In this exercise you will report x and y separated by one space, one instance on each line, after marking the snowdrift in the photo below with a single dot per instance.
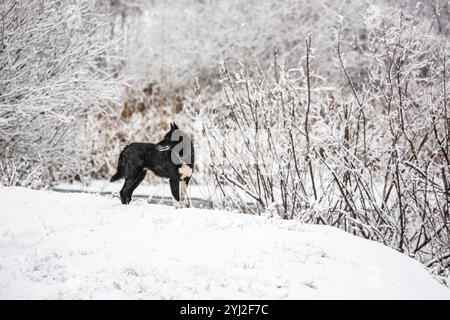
83 246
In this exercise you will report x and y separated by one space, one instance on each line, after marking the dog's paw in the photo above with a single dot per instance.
184 204
176 204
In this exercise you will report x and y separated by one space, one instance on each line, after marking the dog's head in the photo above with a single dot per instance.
169 140
178 143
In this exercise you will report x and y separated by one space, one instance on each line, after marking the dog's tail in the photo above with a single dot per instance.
120 170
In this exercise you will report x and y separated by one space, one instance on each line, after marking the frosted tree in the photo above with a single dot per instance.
57 66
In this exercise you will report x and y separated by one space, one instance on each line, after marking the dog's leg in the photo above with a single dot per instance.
175 188
185 173
183 196
125 196
131 183
184 199
136 183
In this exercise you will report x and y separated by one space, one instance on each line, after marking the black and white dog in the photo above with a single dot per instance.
172 158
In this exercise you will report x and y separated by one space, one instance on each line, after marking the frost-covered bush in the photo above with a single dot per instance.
56 68
369 157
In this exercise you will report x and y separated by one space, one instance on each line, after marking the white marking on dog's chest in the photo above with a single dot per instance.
185 171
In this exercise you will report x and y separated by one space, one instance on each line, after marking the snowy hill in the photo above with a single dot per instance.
82 246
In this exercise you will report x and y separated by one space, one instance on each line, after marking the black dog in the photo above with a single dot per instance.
172 158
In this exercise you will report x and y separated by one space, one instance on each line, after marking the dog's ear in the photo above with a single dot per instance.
174 126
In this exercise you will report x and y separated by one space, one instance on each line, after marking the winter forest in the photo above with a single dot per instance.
331 112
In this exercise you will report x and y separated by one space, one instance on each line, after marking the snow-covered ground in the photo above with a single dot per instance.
84 246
